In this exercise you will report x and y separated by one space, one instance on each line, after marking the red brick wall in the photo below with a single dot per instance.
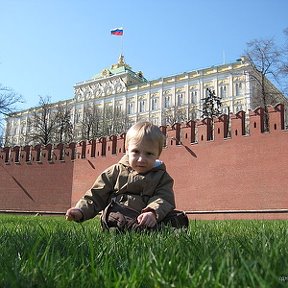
238 172
249 172
43 185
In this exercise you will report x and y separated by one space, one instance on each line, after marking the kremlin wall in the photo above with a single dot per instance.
225 168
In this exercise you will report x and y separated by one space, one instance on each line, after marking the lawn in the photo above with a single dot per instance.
43 251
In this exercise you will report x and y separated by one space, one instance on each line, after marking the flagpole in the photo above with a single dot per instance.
122 42
119 32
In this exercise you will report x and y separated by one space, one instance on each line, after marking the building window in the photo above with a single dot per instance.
193 97
180 99
223 91
78 117
239 107
194 115
239 89
118 109
226 110
142 106
167 101
155 121
130 108
154 104
23 129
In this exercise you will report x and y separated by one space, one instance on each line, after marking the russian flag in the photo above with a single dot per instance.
117 31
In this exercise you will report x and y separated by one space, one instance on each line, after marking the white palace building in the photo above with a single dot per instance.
124 97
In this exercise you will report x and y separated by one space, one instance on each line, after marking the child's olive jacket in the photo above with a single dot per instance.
142 192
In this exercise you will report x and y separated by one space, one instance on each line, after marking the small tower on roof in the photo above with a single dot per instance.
111 80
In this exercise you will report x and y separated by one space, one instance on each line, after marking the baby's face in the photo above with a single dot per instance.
142 156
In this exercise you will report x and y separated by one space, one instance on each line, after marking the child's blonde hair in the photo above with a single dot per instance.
145 131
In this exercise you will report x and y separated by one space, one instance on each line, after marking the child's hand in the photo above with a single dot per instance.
74 214
147 219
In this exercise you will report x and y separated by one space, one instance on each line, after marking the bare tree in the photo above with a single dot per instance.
8 101
64 128
98 122
92 122
283 67
120 122
192 112
174 115
43 122
108 117
2 137
265 57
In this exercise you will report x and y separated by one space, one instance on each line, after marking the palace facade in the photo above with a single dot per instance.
117 97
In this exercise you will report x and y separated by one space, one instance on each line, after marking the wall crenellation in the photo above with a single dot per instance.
197 132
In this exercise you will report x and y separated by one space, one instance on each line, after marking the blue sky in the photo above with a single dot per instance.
50 45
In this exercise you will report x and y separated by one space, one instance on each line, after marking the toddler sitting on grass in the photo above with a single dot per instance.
137 192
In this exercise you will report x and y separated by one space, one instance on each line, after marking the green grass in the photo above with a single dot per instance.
51 252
